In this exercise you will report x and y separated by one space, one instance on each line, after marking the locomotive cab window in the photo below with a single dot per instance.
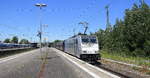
93 41
85 40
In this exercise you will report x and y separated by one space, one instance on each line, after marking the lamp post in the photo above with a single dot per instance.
40 5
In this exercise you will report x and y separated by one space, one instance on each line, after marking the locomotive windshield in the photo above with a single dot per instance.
93 40
85 40
89 40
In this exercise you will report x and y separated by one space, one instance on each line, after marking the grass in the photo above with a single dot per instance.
141 61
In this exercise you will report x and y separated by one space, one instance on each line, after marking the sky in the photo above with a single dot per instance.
21 17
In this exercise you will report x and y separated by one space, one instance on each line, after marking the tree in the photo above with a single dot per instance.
130 36
7 40
57 41
24 41
14 39
137 29
100 35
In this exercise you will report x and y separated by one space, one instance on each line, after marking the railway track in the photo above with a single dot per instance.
121 70
102 66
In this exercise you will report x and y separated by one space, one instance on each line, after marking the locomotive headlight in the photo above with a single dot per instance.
84 51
